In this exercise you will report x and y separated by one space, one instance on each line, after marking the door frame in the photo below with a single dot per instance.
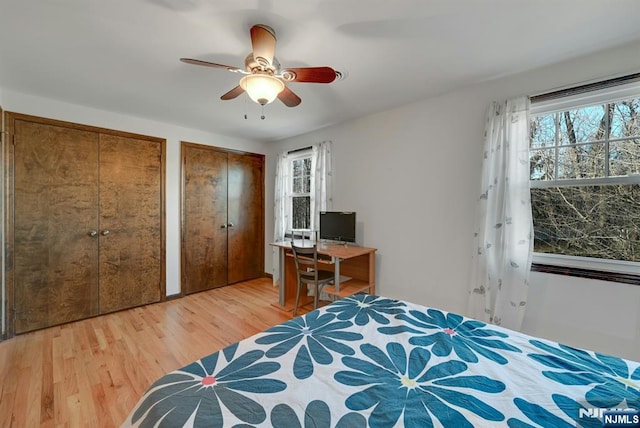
9 223
187 144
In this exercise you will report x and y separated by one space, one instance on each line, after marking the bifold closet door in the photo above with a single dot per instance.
130 222
204 236
245 207
85 221
55 256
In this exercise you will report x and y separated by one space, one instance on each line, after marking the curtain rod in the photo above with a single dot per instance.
589 87
299 150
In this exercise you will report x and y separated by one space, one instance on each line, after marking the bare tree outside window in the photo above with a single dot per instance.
584 171
301 194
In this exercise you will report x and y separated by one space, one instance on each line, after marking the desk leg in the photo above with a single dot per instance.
281 268
336 277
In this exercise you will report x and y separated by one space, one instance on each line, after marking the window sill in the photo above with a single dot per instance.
587 273
589 268
299 234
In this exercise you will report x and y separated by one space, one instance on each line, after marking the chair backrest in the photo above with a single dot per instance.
306 257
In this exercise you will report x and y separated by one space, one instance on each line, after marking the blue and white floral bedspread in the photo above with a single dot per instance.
372 361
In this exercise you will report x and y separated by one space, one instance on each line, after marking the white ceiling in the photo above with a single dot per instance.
122 55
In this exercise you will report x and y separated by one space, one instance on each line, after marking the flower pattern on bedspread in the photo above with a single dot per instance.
445 332
316 415
363 307
318 336
544 418
397 384
204 385
378 362
612 382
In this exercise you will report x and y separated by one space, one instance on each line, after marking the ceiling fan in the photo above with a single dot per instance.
263 79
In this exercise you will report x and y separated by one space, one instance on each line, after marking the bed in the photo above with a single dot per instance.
373 361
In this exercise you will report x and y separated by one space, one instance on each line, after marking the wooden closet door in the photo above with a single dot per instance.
204 235
130 222
55 210
246 213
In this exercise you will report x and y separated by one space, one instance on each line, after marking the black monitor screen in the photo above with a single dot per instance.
338 226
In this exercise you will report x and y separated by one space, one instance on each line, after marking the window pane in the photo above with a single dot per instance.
298 168
542 164
543 131
589 221
297 185
583 125
307 166
301 215
625 121
624 157
581 161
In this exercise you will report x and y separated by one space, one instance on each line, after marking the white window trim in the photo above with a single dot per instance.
302 154
602 96
577 182
608 95
602 265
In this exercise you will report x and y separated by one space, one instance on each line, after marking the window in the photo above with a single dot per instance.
585 182
299 192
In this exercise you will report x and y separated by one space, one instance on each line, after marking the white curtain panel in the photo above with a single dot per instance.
321 191
280 214
503 239
321 181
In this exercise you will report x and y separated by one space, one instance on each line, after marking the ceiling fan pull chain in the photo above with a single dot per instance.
262 113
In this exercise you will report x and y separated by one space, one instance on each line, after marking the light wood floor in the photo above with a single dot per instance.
92 372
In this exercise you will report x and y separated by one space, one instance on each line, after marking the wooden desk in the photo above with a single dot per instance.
354 268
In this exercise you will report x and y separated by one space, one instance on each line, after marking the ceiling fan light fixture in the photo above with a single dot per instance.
262 88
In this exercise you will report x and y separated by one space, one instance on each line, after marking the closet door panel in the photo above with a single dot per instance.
246 213
204 247
55 209
130 222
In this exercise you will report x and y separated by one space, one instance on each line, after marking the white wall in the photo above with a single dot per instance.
413 175
598 315
400 178
27 104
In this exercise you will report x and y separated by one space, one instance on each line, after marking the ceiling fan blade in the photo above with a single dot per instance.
263 41
235 92
289 98
310 74
210 64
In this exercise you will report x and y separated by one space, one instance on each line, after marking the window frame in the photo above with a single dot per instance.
291 158
586 267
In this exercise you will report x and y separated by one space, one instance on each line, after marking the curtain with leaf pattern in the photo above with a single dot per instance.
280 214
503 238
321 181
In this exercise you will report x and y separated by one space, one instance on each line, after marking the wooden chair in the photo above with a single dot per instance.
308 273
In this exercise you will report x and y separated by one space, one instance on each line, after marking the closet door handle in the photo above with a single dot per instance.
92 233
224 226
105 232
231 224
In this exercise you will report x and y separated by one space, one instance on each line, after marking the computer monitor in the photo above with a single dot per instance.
338 226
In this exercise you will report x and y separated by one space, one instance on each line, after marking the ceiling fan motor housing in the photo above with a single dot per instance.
252 64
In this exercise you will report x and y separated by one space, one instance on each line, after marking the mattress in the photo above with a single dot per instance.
373 361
